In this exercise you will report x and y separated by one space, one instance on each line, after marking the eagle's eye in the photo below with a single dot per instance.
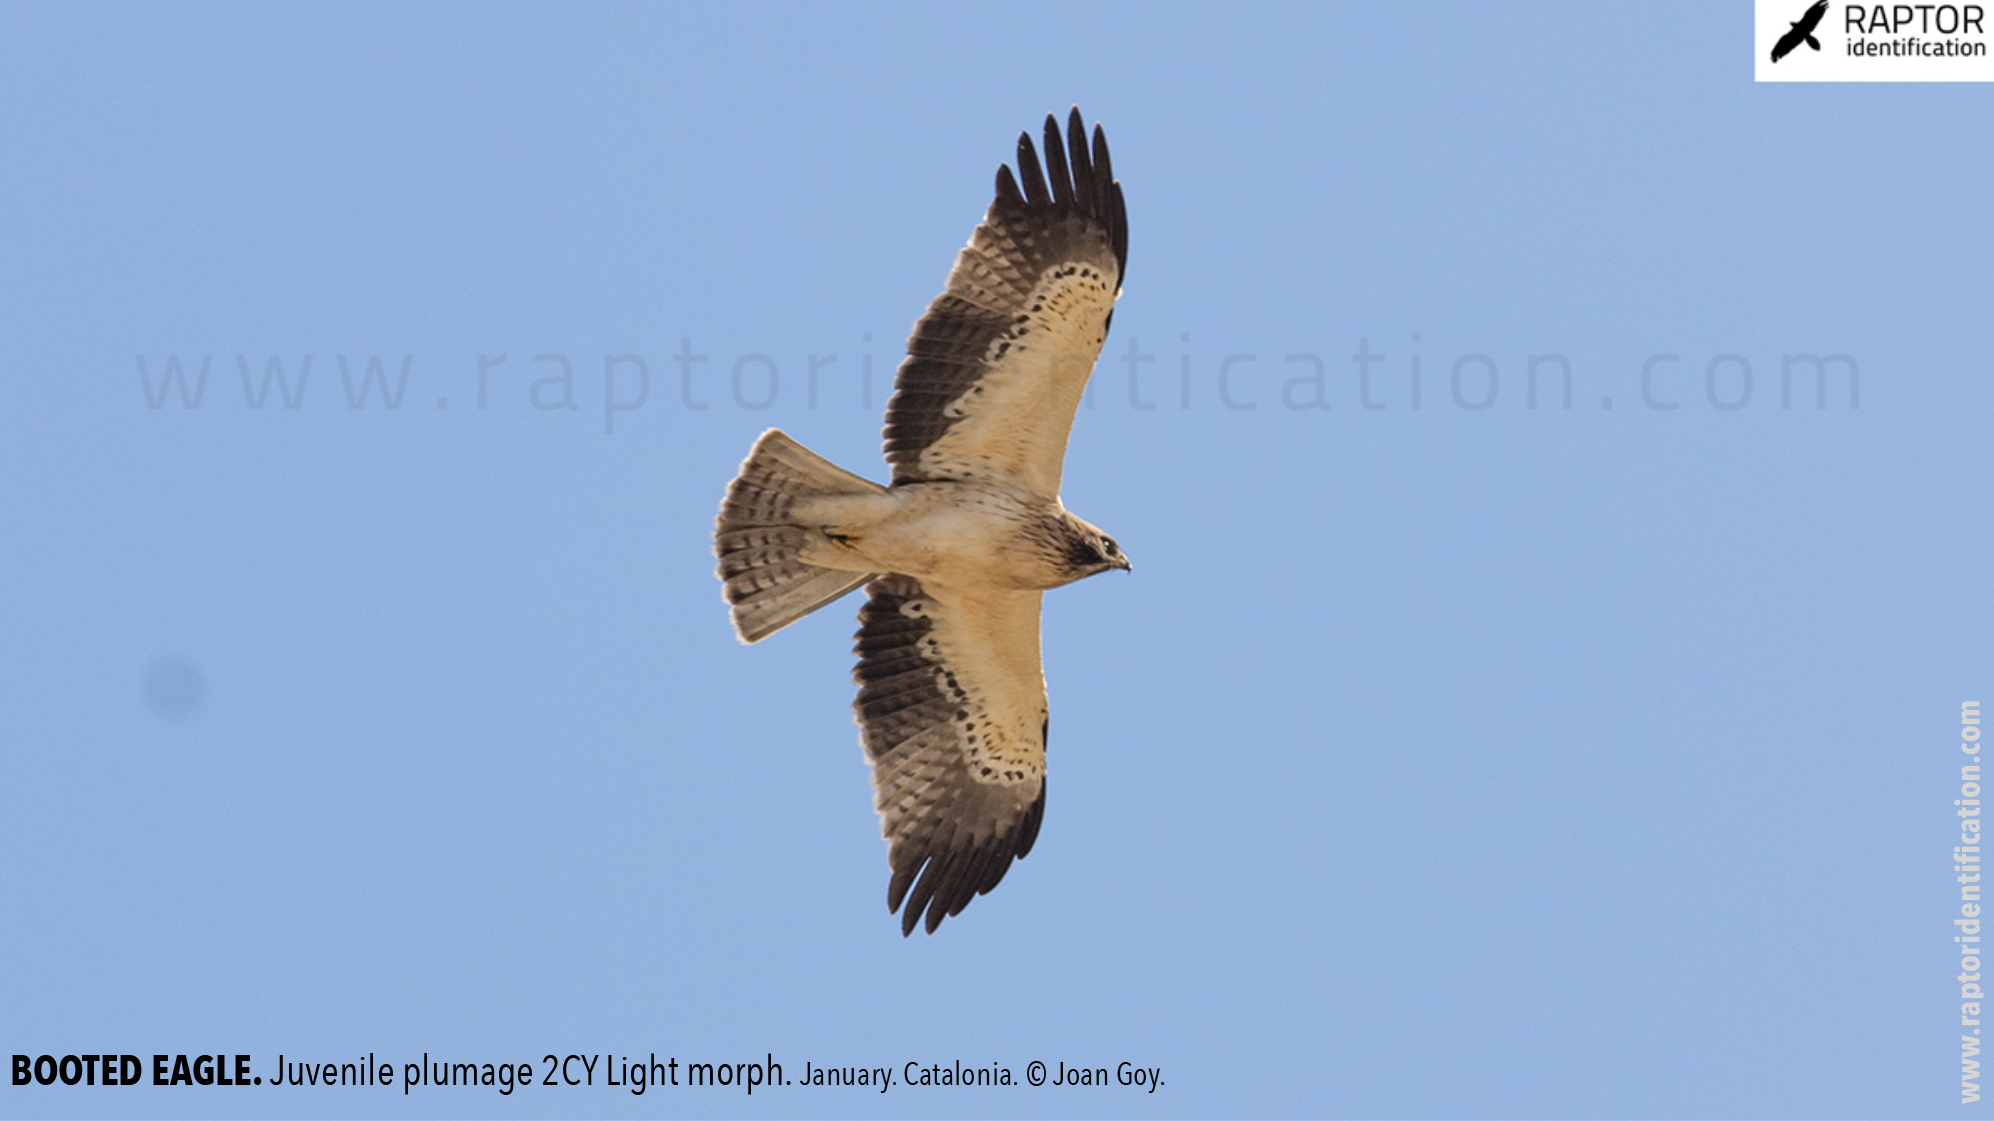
1109 547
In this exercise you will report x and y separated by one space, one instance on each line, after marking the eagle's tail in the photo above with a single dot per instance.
760 543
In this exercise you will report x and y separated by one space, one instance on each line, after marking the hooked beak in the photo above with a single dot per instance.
1122 562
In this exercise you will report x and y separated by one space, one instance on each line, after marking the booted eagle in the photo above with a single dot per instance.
957 551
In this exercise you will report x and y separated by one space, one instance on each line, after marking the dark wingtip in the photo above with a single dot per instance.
1028 833
1030 176
1086 190
1118 233
896 892
1057 169
1007 187
1076 173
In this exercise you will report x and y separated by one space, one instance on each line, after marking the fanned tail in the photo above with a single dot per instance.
760 544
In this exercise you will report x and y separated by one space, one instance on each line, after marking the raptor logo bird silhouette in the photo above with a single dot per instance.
1801 31
957 552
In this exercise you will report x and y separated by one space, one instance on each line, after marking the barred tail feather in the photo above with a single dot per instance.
768 586
760 547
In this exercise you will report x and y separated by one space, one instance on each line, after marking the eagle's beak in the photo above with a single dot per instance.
1122 562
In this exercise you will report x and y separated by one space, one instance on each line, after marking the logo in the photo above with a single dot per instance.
1801 31
1819 41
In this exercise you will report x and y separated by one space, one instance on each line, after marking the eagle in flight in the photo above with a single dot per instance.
958 550
1801 31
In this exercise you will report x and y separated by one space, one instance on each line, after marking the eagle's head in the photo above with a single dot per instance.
1088 551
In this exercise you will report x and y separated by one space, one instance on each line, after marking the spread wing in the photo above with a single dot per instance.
996 366
952 712
1812 18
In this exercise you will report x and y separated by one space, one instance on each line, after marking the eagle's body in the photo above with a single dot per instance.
964 534
958 549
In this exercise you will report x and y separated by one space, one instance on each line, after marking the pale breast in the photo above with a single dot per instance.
966 535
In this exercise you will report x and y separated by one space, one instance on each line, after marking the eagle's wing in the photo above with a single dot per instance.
1812 18
996 366
1793 38
952 713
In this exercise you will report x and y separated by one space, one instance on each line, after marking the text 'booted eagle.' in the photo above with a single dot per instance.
958 551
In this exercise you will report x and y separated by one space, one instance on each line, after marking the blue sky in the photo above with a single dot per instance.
1471 758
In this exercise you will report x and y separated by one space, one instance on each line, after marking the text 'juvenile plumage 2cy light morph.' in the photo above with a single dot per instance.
957 552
